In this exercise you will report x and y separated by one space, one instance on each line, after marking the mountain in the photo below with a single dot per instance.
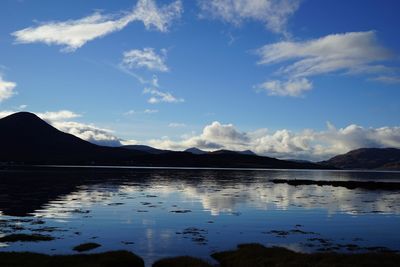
367 158
196 151
247 152
147 149
26 139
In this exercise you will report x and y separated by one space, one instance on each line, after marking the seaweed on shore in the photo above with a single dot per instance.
25 238
86 247
245 255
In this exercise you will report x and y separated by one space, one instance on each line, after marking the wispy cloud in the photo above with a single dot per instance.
146 111
292 87
273 13
58 115
158 96
73 34
146 58
7 89
351 53
176 125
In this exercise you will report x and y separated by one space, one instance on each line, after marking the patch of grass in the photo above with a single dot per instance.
108 259
184 261
25 238
86 247
256 255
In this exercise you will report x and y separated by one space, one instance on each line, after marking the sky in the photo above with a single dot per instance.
298 79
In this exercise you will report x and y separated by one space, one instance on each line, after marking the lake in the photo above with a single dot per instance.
159 213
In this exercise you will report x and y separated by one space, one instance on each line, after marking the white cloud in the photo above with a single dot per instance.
352 52
306 144
146 58
89 132
295 87
73 34
274 13
146 111
387 79
158 96
5 113
7 89
176 125
348 53
58 115
155 17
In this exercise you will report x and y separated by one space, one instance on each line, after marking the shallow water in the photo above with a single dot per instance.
158 213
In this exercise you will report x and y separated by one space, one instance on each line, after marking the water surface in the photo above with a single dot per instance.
158 213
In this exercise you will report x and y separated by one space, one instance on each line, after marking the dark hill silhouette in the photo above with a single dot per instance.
225 151
196 151
247 152
145 148
367 158
26 139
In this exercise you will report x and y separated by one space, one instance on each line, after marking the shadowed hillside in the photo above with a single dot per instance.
367 158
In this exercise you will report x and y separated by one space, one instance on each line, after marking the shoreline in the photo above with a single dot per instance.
128 167
368 185
255 255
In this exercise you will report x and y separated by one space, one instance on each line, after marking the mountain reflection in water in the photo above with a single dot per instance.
159 213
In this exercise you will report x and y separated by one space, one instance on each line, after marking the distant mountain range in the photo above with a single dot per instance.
192 150
367 158
27 139
147 149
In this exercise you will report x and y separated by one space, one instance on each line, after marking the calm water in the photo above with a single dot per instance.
158 213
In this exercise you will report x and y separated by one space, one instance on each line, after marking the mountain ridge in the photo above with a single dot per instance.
27 139
367 158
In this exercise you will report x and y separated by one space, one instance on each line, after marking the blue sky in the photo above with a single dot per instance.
289 78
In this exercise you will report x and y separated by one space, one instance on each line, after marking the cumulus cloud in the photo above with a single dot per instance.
158 96
88 132
273 13
306 144
146 58
7 89
73 34
347 53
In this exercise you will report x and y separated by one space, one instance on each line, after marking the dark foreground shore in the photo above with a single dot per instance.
246 255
